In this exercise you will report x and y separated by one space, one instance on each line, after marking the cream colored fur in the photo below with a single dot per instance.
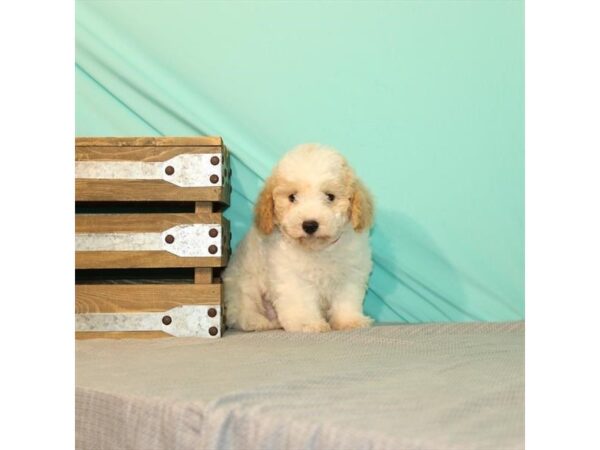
282 277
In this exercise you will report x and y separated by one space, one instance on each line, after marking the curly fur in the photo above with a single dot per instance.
283 277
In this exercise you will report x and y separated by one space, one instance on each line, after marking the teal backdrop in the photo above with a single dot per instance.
425 98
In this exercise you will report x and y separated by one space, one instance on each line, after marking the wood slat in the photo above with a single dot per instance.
114 223
141 153
121 335
145 260
89 190
149 140
95 298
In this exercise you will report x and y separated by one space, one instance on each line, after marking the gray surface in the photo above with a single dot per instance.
444 386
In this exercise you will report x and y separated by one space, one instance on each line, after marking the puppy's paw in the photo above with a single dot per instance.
350 322
308 327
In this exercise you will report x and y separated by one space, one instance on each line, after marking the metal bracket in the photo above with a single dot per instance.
188 240
181 321
186 170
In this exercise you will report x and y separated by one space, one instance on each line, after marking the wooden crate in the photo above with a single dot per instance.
146 205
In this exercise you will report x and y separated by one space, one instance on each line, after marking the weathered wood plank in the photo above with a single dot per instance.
144 260
149 140
96 298
140 153
121 335
114 223
146 190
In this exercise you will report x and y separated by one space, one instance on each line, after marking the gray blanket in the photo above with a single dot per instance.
430 387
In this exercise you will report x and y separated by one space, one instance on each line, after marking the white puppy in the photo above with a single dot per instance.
304 264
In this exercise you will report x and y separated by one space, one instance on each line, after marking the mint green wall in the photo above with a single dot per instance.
424 98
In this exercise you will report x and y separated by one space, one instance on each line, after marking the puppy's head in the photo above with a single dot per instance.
311 196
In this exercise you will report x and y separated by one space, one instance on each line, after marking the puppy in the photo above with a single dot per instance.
304 264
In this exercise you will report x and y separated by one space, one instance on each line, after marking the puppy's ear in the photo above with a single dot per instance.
264 210
361 207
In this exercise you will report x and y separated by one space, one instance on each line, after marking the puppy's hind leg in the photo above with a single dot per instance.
245 310
250 318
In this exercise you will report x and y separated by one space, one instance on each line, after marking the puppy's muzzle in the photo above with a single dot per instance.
310 226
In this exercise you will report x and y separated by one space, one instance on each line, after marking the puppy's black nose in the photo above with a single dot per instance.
310 226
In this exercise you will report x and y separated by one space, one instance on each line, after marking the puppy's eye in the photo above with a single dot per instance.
330 197
292 198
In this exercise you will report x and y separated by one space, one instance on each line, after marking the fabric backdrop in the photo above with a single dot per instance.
424 98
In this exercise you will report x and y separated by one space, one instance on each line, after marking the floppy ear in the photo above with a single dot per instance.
361 207
264 210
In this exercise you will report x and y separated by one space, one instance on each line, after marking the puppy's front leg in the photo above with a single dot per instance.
346 310
298 308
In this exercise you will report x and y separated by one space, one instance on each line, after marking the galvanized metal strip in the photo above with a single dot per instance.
185 170
187 240
181 321
194 240
106 242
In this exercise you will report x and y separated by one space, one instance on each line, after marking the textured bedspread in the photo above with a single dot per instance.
431 387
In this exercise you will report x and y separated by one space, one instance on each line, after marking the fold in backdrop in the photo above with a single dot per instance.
425 99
